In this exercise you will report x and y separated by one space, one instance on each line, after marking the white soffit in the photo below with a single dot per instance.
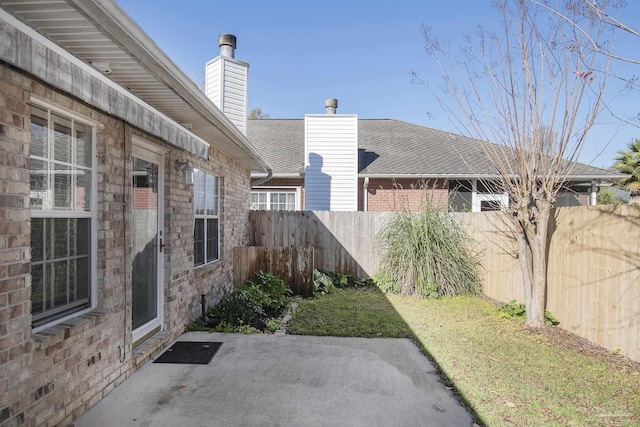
88 30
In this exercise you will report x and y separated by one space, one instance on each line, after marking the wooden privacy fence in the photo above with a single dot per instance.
593 270
294 265
593 267
344 241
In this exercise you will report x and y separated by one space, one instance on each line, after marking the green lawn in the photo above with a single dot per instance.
507 374
364 312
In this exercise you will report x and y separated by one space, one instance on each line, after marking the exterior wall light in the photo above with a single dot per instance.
187 171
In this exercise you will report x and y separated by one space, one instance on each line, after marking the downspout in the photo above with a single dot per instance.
263 180
365 188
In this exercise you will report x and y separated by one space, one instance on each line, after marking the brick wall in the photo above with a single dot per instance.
396 194
15 306
53 376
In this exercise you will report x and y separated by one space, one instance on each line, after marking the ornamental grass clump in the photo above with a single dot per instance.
426 253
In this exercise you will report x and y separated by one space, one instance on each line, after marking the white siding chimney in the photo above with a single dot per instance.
331 160
226 82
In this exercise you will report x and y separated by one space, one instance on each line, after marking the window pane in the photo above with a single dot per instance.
82 242
82 278
37 289
83 190
39 138
62 187
37 236
216 195
198 240
212 239
291 201
199 192
61 138
490 205
59 234
282 200
60 294
39 181
83 145
211 189
258 200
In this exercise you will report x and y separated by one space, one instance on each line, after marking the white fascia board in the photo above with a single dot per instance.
430 176
277 175
482 176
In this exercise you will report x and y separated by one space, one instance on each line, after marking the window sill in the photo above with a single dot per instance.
49 336
204 267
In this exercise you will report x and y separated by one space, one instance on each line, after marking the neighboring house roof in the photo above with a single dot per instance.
622 195
100 32
281 142
391 148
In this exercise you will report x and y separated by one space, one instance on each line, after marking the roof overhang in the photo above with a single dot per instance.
99 31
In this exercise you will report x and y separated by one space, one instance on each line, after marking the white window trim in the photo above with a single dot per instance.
205 217
93 289
477 198
269 190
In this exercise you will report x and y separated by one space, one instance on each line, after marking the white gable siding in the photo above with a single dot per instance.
212 81
226 86
235 93
331 162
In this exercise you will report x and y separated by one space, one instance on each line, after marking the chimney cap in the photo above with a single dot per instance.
331 103
226 39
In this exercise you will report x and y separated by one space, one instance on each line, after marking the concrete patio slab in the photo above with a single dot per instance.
269 380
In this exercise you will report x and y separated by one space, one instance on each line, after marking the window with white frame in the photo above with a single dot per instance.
61 195
206 234
271 200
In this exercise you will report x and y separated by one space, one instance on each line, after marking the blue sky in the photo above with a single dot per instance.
362 53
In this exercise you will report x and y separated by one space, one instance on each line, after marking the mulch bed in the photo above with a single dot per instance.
563 338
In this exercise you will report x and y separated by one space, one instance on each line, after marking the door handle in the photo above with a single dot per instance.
161 244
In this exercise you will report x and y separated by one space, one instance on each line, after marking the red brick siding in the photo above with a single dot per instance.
392 195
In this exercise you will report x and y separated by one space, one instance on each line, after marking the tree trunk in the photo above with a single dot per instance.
532 255
535 301
524 258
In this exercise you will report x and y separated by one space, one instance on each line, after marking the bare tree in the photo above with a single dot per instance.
257 113
534 92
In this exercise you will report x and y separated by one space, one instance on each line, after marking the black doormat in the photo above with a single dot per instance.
190 352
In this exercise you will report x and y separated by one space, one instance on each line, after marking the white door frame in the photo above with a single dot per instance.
151 153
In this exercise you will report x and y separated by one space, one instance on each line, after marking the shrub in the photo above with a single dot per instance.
250 308
324 282
606 196
239 308
515 310
273 293
426 253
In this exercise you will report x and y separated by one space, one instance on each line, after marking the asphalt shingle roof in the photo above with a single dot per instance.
388 147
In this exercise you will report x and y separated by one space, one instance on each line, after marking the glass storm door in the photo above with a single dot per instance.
147 238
